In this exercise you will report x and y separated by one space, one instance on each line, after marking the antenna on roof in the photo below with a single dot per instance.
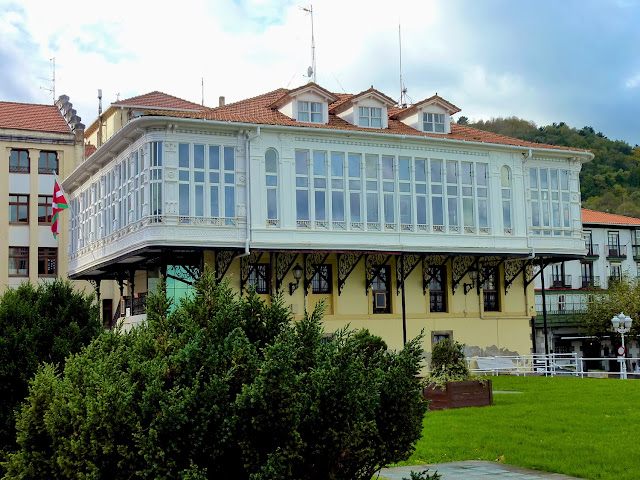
403 90
52 90
311 71
202 91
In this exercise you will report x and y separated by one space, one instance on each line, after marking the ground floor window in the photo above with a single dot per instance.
259 277
47 262
321 281
490 290
437 294
19 261
381 288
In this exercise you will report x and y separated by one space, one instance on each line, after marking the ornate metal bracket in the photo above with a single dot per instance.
246 267
346 263
460 266
311 259
488 264
284 262
404 266
223 262
96 286
372 264
431 261
513 268
529 276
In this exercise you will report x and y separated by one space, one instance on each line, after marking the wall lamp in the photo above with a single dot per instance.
473 275
297 274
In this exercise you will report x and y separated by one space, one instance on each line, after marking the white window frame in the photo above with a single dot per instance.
367 116
433 122
309 112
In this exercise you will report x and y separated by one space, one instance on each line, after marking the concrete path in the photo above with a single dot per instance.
472 470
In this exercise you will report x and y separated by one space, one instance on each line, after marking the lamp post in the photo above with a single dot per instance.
622 324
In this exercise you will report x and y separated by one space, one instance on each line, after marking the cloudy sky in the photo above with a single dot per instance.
576 61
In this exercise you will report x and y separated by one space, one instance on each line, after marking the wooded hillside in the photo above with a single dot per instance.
609 183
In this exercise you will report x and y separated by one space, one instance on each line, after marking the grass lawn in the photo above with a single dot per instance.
588 428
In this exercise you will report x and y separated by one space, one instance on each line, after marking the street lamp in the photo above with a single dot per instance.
622 324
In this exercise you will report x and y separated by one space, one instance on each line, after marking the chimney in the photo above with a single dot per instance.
99 101
221 101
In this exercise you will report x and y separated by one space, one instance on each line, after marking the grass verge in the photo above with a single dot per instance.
581 427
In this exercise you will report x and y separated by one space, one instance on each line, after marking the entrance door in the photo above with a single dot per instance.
107 312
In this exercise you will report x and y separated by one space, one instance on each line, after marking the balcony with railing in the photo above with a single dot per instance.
590 282
616 251
593 251
560 281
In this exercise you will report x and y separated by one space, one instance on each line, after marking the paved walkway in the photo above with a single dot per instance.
472 470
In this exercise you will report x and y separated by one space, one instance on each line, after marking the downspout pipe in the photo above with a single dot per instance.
247 155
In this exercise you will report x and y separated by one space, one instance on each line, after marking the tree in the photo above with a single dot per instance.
46 323
222 387
622 296
463 120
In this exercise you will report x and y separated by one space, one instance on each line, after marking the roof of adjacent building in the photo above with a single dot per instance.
89 149
160 101
260 110
32 117
593 217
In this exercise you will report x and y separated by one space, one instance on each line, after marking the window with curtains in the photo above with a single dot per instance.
271 182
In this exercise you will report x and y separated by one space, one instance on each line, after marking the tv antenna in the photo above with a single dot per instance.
52 90
311 71
403 90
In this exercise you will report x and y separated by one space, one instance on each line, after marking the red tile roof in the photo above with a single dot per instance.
159 100
89 150
258 110
32 117
591 216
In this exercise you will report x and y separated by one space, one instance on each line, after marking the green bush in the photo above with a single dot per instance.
43 324
222 387
448 363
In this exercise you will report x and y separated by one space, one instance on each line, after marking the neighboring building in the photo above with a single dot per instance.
36 142
400 219
612 252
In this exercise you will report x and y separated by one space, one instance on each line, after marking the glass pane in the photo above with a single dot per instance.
354 206
272 180
354 185
483 217
506 214
405 208
466 174
316 107
421 210
533 178
337 206
436 171
354 166
199 201
302 181
469 217
543 178
387 167
198 156
376 122
183 155
214 157
320 183
389 216
337 183
452 172
421 170
271 161
229 159
372 207
452 208
272 204
566 215
564 179
302 160
403 168
535 214
337 164
229 178
436 211
388 187
371 162
183 193
302 205
229 202
505 177
320 163
215 206
481 174
183 175
320 205
214 177
554 179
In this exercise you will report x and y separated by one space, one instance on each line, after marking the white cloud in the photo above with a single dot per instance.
633 82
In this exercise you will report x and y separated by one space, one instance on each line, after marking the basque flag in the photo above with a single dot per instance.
58 203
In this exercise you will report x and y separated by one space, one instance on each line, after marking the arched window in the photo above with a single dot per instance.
271 180
505 180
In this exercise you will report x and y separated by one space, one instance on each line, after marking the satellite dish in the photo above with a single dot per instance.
309 71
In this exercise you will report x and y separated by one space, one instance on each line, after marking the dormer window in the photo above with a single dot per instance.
370 117
310 112
433 122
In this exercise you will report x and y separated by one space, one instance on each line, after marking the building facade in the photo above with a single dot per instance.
401 220
612 253
37 142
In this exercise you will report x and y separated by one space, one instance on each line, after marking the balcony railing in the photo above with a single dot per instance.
593 250
591 282
560 281
616 251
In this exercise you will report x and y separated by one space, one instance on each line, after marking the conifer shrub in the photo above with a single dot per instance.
448 363
222 387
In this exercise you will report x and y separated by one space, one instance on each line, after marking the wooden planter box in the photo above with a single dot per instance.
468 393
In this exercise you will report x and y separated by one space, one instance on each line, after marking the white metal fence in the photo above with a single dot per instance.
554 364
